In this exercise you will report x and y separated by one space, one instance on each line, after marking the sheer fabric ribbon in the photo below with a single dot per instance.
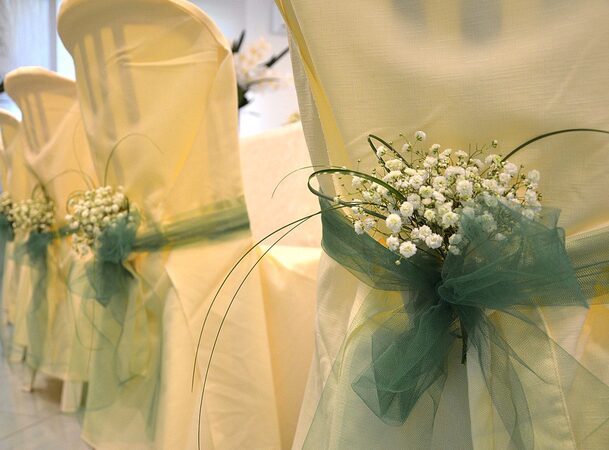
490 300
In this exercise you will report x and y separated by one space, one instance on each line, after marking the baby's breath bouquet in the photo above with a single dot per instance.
6 205
34 214
415 198
7 226
94 211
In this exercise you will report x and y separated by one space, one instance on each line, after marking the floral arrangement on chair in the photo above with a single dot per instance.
94 211
415 198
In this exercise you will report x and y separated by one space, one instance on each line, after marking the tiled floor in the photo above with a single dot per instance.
32 420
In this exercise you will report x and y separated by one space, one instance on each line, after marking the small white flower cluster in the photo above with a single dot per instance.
250 69
432 189
6 204
92 212
33 215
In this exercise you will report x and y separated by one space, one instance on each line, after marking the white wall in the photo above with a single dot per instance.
270 109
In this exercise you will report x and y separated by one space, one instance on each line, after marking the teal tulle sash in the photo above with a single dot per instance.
127 306
6 235
35 253
488 301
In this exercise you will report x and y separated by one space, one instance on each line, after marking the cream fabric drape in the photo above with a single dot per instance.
289 271
466 73
58 158
10 136
157 90
19 184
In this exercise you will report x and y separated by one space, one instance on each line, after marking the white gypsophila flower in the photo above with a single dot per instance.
369 223
394 174
434 148
443 208
454 250
488 222
528 213
381 151
434 241
430 162
439 183
449 219
414 199
461 154
358 226
446 153
490 200
424 231
357 182
406 209
455 239
510 168
406 147
393 243
492 159
426 191
416 181
533 176
408 249
394 223
420 135
439 197
465 188
490 185
530 197
505 178
410 171
454 171
430 215
394 164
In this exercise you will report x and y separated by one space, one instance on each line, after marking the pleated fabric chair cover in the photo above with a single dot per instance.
59 159
157 90
16 289
289 270
466 73
9 133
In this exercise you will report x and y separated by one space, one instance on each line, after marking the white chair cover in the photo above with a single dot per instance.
157 89
9 136
58 156
466 73
15 291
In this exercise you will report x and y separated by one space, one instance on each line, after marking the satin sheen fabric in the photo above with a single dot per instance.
466 73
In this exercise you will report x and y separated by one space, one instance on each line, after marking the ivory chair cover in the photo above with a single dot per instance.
16 277
10 135
289 270
466 73
59 159
157 90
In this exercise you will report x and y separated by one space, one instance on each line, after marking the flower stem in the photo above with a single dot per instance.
464 345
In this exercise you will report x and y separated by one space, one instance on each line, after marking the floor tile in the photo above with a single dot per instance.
58 432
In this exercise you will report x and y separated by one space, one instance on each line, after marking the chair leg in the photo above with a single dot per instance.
29 377
71 396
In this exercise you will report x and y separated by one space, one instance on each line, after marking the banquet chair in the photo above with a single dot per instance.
9 131
156 85
19 182
466 75
59 159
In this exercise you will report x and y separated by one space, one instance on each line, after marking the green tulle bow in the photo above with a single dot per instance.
457 301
